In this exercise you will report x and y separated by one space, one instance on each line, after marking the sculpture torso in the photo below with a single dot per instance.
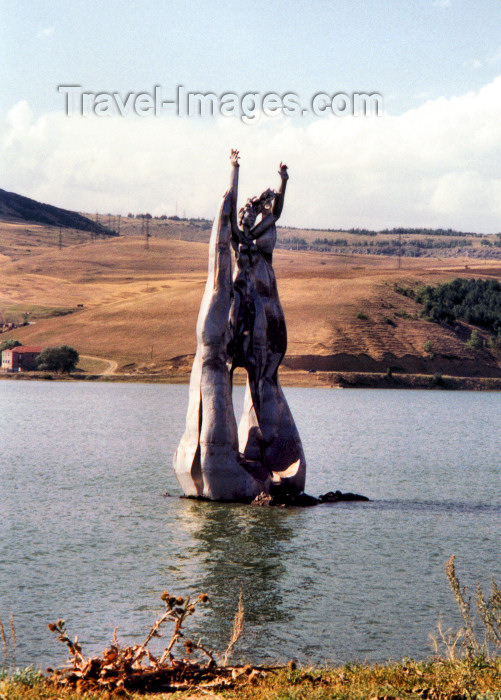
257 310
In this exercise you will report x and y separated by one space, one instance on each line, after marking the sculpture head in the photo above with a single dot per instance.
247 214
256 205
264 203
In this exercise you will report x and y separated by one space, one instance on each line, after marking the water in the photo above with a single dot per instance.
86 533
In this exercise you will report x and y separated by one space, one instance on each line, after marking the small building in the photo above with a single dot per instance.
21 359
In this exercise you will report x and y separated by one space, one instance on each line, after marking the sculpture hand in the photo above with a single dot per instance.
234 156
283 172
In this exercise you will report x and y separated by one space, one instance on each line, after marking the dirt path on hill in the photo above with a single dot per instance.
112 365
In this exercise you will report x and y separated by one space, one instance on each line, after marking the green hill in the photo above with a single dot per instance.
16 208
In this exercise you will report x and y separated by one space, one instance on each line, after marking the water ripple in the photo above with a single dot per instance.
87 536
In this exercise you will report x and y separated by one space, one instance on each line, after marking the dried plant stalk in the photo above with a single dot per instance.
470 641
14 638
5 643
489 612
448 639
238 628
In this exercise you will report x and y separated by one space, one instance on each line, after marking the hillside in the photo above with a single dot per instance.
404 242
16 208
25 234
137 306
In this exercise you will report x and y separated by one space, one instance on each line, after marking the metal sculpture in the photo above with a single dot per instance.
241 324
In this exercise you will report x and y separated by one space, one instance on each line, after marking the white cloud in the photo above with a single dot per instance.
436 165
46 32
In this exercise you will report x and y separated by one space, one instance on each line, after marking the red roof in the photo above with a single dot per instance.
27 348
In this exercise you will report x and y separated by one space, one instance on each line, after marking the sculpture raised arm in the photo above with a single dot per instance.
279 199
235 166
270 219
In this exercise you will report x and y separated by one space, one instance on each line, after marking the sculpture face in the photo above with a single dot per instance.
247 216
267 206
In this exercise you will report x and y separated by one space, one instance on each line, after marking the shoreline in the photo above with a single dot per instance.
298 378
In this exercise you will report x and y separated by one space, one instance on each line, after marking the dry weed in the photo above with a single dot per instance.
238 628
135 668
488 614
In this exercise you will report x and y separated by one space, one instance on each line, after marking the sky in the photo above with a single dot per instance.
431 158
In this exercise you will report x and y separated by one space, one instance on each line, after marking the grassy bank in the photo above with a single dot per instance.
436 679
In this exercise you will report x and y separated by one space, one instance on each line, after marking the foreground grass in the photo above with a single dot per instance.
442 680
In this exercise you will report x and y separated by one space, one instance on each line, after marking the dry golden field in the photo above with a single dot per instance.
137 306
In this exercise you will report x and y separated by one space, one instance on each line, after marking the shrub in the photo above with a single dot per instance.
474 342
437 379
495 341
59 359
28 677
135 668
8 344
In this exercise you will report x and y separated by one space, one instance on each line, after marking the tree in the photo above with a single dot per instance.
475 341
59 359
8 344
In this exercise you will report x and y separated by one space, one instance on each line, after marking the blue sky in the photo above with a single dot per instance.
435 62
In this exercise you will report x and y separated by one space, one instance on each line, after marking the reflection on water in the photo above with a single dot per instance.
241 549
238 549
86 534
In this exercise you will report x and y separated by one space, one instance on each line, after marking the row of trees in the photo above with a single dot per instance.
401 230
427 243
475 301
175 217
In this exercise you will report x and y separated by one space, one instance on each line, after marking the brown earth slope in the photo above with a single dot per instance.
138 306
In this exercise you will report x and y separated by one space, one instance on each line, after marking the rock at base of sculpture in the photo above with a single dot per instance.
337 496
299 500
302 500
240 324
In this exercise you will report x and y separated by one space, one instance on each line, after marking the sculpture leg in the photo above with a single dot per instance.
207 460
282 449
267 432
187 456
273 439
